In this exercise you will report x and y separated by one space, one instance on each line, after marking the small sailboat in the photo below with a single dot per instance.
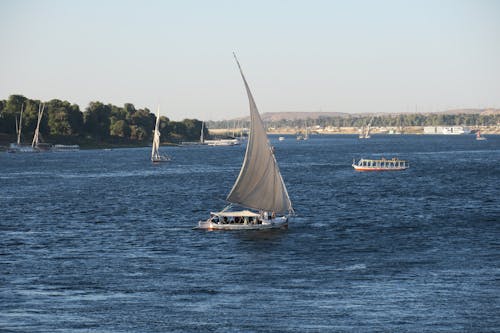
365 131
259 188
202 139
479 137
18 147
156 157
36 144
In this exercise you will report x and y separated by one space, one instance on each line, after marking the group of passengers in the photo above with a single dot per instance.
242 219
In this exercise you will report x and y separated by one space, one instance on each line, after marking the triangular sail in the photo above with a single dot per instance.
155 155
259 184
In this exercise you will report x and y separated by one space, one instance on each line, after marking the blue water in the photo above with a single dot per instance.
101 241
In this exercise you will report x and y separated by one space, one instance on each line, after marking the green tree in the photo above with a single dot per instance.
120 128
97 121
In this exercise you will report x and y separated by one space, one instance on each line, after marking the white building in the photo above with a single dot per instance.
446 130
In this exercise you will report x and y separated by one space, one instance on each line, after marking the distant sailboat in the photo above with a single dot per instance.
36 137
365 131
306 134
259 186
36 144
202 139
18 147
156 157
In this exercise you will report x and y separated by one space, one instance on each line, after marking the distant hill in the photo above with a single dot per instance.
277 116
488 111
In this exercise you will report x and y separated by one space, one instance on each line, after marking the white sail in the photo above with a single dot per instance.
155 155
259 184
202 140
35 141
19 129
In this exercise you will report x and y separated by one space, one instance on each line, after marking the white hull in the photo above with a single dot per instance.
223 142
276 223
160 158
15 148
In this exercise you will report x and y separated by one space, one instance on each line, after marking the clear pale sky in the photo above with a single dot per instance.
344 56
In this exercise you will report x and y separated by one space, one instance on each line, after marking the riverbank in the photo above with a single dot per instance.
351 130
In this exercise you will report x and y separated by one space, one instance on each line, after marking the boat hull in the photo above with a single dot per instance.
358 168
277 223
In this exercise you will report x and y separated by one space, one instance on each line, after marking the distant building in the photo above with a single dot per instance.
446 130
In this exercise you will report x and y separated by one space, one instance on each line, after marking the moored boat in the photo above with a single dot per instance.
382 164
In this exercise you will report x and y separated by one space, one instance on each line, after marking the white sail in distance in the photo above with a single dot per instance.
156 138
36 140
259 184
202 140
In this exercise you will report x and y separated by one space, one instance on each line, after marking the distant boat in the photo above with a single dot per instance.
365 131
61 148
305 136
18 147
281 138
155 153
259 187
196 143
223 142
383 164
36 144
479 137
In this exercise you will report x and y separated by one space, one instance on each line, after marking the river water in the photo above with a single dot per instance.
102 241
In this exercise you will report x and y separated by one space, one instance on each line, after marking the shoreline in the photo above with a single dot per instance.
413 130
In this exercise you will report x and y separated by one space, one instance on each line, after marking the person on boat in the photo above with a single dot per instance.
273 215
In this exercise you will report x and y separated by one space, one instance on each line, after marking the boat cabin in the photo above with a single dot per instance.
244 217
382 164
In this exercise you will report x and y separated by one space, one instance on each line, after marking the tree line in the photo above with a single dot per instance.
399 120
98 123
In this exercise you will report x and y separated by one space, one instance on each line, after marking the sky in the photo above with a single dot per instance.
342 56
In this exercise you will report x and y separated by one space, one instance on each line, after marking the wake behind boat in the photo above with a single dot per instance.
259 187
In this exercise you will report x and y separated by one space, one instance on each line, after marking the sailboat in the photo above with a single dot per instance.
155 153
36 144
18 147
259 188
202 139
365 131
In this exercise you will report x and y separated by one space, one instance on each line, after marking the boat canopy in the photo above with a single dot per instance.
243 213
259 185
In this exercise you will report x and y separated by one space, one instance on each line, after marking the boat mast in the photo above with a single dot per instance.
202 140
20 125
41 107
